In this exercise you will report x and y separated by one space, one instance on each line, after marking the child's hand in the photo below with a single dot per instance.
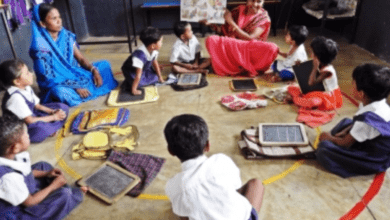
58 182
298 62
204 22
54 173
136 92
59 115
161 80
195 66
325 136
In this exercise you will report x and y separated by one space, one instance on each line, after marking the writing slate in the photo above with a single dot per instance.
189 79
302 73
244 85
125 94
282 134
110 182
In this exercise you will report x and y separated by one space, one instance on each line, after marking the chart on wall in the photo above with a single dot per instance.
197 10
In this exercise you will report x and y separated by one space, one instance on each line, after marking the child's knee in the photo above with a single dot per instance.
257 184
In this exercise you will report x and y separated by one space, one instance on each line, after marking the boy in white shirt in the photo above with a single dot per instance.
185 56
207 188
281 70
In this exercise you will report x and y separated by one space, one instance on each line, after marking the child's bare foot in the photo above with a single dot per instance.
275 78
204 71
84 189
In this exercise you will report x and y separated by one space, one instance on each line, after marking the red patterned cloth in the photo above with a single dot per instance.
231 56
314 118
142 165
242 101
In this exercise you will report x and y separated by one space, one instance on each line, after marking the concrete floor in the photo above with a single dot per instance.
308 192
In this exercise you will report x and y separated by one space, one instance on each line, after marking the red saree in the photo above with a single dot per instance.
231 56
248 23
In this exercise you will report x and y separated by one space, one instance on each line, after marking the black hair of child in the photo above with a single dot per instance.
324 49
11 129
187 136
180 27
298 33
373 80
43 10
9 71
150 35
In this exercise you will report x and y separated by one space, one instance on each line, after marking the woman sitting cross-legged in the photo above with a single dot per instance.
245 22
63 73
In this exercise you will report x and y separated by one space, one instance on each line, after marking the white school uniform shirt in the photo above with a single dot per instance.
330 83
361 131
182 52
299 54
137 62
207 189
17 105
13 189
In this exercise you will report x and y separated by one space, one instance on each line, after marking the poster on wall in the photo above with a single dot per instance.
197 10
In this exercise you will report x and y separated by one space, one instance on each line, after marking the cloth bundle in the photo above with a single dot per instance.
242 101
144 166
98 144
94 119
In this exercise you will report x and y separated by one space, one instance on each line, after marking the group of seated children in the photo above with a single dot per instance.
142 68
207 188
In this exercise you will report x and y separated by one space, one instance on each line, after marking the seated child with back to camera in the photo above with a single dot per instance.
361 146
281 70
324 51
142 68
207 188
36 191
43 120
185 56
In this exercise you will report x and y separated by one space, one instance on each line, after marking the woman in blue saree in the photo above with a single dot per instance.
63 73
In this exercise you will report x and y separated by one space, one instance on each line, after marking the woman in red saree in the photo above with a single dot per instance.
231 56
245 22
243 49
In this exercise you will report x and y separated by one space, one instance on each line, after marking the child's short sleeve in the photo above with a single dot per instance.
18 106
137 62
361 132
175 54
13 188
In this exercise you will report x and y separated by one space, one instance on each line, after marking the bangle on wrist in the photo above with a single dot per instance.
93 67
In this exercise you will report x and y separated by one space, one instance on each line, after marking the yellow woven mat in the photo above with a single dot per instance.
151 95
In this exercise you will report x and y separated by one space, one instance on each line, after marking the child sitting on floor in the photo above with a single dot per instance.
281 70
141 68
207 188
185 56
361 146
324 52
43 120
30 192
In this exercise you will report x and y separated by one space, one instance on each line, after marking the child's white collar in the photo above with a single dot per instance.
380 108
21 163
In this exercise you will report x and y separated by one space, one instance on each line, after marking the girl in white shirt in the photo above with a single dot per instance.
20 100
324 52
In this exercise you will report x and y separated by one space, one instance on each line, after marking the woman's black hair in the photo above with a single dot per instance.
9 71
180 27
150 35
324 49
373 80
44 9
187 136
11 129
298 33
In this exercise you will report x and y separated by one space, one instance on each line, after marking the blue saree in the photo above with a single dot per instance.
58 72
